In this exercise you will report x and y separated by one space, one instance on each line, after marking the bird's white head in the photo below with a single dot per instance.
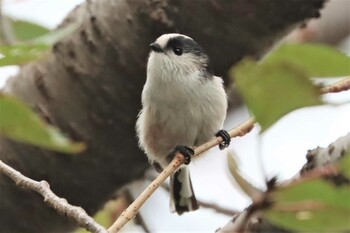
176 55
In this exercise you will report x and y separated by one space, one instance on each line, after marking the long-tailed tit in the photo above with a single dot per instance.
184 105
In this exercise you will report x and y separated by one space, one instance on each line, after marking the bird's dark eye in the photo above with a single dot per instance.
177 51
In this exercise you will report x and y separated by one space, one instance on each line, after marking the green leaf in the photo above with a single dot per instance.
312 205
314 60
25 30
20 54
247 188
272 90
344 165
19 123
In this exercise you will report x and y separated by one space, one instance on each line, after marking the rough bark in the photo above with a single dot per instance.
89 86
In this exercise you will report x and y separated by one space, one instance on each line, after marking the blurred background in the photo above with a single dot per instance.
279 152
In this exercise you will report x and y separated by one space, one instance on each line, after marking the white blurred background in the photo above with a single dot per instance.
278 152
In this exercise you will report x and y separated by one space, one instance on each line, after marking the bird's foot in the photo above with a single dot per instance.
225 137
186 151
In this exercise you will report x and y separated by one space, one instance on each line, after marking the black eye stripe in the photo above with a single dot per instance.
187 45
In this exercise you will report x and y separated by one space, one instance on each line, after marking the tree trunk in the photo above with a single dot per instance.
90 84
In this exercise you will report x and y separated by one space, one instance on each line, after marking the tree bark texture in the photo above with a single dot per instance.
90 84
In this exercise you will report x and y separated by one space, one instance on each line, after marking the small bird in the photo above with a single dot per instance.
183 106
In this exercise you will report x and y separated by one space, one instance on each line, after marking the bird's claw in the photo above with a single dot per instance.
225 137
186 151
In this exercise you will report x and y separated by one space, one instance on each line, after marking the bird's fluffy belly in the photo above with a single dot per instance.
165 131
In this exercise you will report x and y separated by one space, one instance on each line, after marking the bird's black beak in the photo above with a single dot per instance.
156 47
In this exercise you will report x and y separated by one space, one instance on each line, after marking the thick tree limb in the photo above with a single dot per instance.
89 86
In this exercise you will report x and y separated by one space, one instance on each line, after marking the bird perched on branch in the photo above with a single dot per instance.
184 105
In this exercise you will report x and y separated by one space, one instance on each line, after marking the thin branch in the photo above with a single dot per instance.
235 225
217 208
178 160
343 85
138 218
61 205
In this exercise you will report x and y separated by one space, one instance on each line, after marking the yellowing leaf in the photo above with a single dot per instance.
248 188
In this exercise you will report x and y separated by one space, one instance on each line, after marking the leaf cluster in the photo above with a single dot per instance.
272 88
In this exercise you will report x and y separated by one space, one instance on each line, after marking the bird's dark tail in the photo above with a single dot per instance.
182 198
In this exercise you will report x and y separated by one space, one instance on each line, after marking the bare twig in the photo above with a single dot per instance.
217 208
59 204
213 206
138 218
340 86
178 160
